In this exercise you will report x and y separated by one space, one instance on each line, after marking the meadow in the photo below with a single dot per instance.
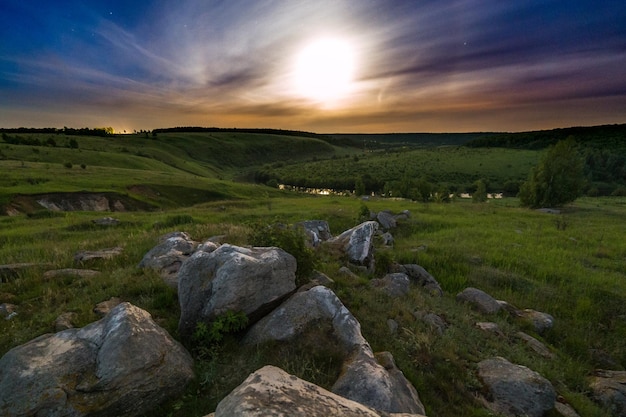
571 265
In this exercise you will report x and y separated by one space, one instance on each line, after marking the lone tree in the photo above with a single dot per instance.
556 180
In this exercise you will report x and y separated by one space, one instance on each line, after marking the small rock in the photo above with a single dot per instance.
109 253
490 327
70 272
347 272
393 326
479 299
435 322
7 309
103 308
386 220
388 239
541 322
106 221
395 285
535 345
565 410
64 322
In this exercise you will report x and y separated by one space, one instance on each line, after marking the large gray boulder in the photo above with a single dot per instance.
310 311
479 299
375 381
515 390
270 391
168 255
358 242
232 278
609 389
122 365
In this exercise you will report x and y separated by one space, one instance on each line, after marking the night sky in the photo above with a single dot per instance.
324 66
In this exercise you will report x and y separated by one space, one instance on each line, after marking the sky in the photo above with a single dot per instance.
326 66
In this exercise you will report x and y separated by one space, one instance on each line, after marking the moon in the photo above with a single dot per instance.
324 70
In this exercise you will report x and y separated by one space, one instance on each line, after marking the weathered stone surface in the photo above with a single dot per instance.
317 231
358 242
541 322
420 276
305 311
270 391
535 345
515 390
479 299
378 384
232 278
347 272
71 272
609 389
122 365
83 256
103 308
386 220
565 410
167 257
395 285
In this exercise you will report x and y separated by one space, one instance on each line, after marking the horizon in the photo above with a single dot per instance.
336 67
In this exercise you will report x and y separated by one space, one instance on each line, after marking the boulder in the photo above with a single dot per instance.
434 321
386 220
167 257
358 242
421 276
479 299
270 391
376 382
84 256
317 231
122 365
310 311
609 389
395 285
515 390
232 278
387 239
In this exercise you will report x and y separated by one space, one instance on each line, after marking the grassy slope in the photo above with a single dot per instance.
576 274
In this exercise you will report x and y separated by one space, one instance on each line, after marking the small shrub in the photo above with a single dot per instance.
83 166
206 336
68 165
291 240
619 192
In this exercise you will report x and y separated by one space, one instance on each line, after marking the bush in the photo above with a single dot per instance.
174 220
83 166
619 192
291 240
68 165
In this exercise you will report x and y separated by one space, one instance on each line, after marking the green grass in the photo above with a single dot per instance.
517 255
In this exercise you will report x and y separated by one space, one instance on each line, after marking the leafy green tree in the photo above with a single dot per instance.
359 187
556 180
73 143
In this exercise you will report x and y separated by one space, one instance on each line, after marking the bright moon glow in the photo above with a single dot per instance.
324 70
